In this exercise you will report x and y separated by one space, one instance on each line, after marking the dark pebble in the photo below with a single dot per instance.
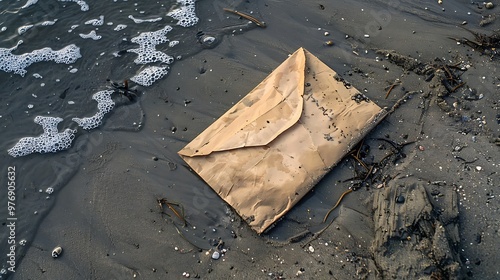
429 270
400 199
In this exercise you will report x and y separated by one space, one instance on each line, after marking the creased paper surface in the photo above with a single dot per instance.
265 153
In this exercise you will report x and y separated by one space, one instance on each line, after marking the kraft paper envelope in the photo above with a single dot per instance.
265 153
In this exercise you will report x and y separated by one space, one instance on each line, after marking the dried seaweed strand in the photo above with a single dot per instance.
457 87
337 204
184 237
359 161
390 89
247 16
176 213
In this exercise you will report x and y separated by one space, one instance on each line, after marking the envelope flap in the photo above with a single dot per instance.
269 109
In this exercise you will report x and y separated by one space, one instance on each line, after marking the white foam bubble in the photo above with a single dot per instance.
50 141
83 5
173 43
96 22
185 13
91 35
150 75
138 20
17 63
120 27
21 30
147 53
29 3
48 22
104 105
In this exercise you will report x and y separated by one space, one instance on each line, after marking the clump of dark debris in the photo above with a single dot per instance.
486 44
444 78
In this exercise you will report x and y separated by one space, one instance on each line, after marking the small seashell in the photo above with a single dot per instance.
215 255
329 43
489 5
327 33
56 252
207 41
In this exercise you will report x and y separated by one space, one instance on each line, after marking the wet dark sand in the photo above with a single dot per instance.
108 222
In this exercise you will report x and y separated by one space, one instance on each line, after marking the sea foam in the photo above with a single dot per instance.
150 75
17 63
50 141
185 13
104 105
147 53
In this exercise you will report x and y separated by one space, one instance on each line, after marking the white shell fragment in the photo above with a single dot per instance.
57 252
215 255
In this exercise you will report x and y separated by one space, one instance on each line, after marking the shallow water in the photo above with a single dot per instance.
65 90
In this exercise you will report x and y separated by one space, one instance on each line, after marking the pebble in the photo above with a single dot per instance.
215 255
329 43
311 249
155 158
367 36
489 5
400 199
327 33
